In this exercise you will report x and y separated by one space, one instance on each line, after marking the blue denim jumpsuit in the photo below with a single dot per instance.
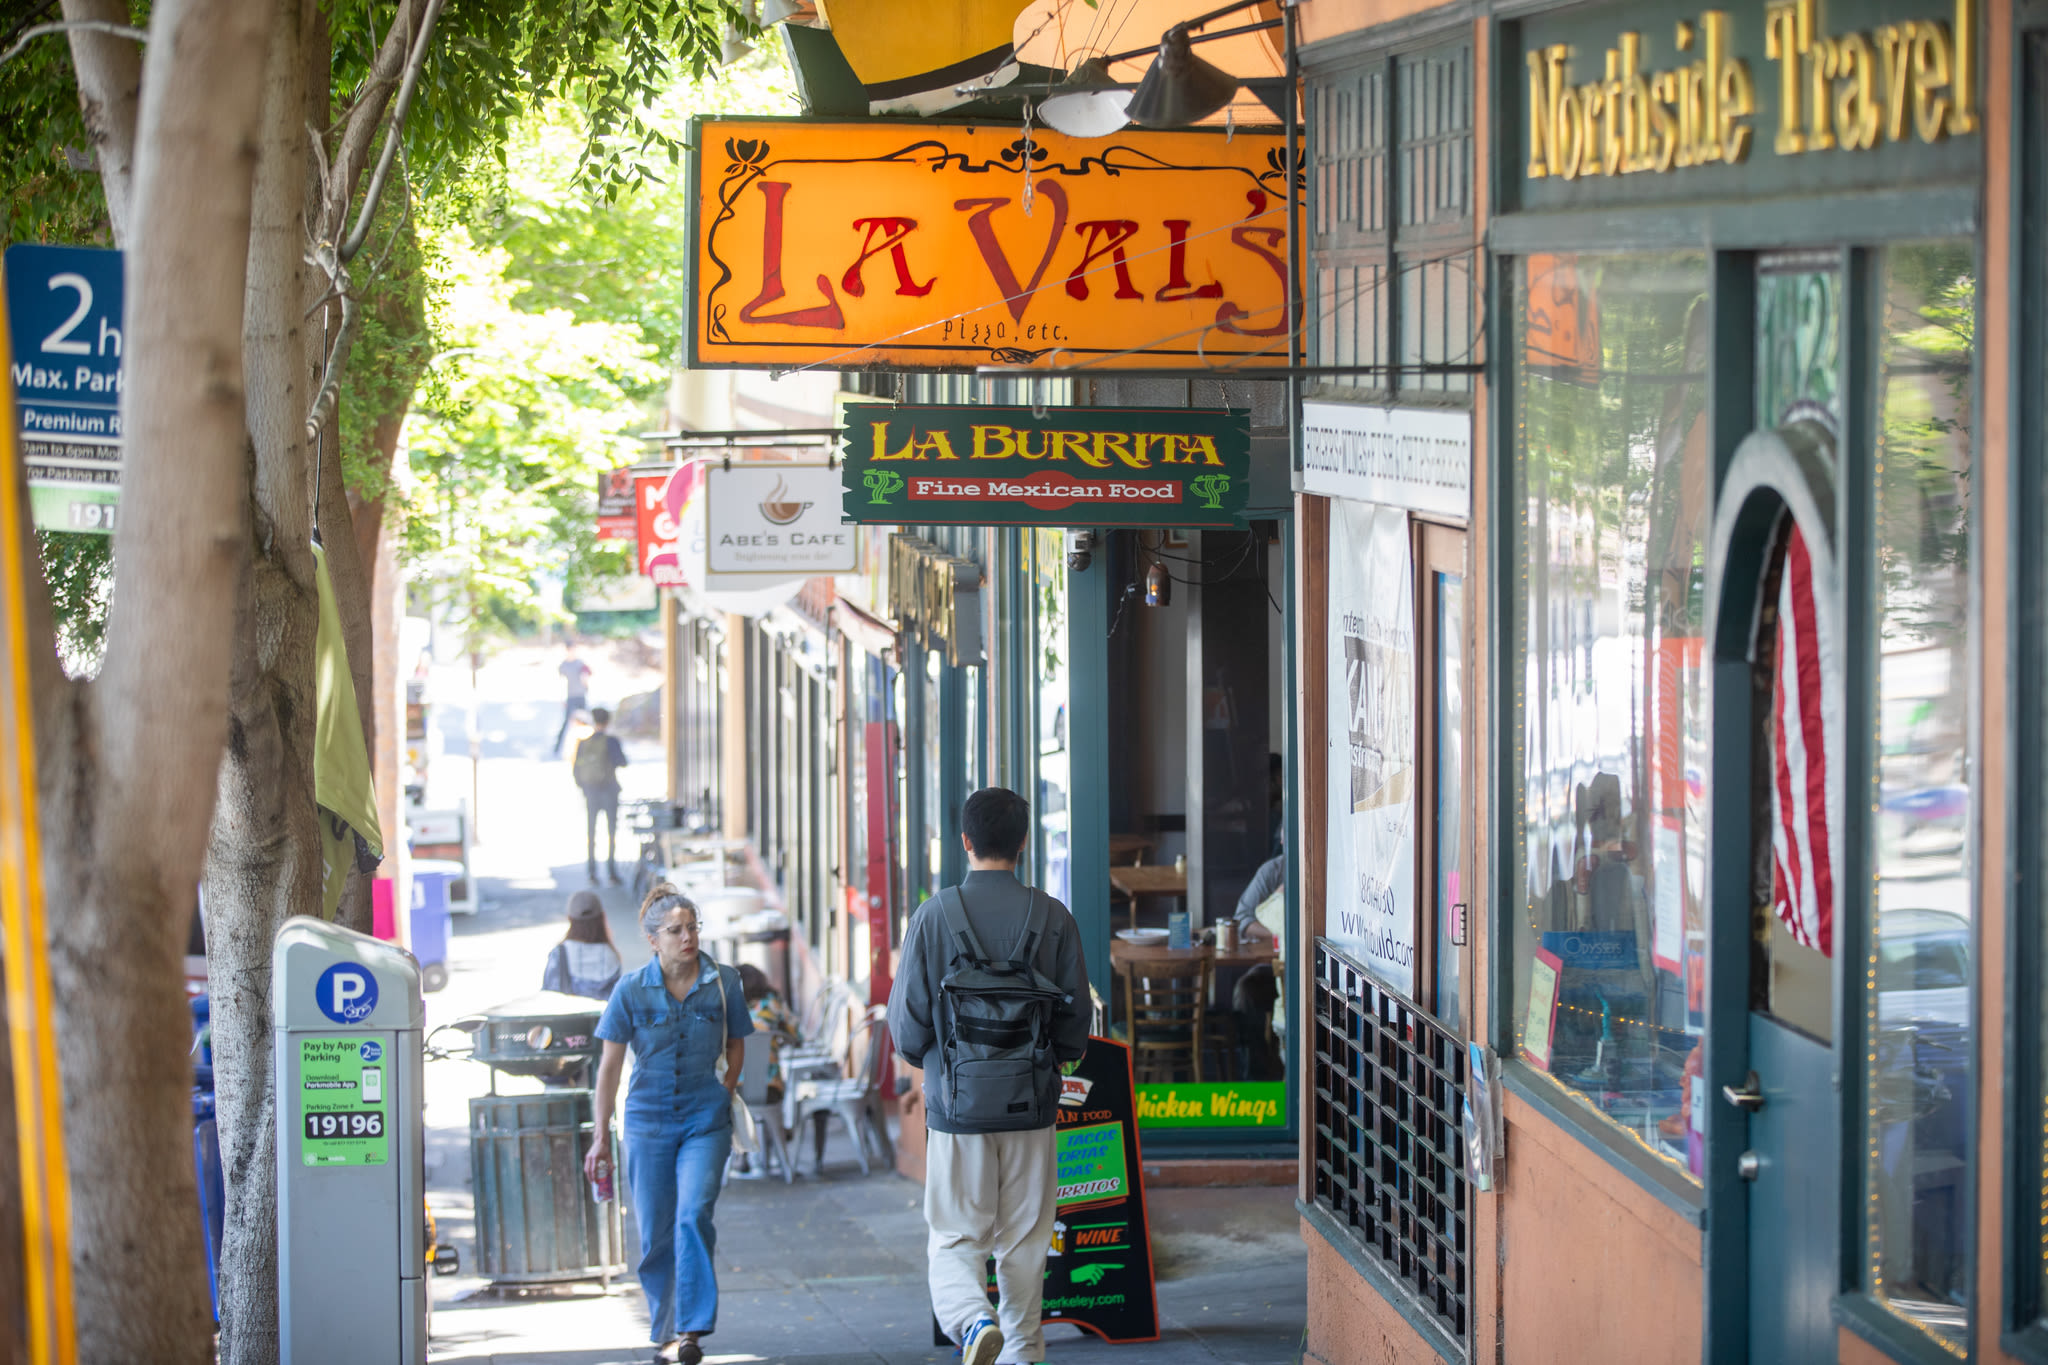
677 1133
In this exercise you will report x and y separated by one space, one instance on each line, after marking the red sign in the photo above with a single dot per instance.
658 504
615 515
1048 491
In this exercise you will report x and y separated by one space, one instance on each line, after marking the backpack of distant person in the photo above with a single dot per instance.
998 1072
593 766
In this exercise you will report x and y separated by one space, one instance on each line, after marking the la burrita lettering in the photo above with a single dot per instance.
1101 252
994 441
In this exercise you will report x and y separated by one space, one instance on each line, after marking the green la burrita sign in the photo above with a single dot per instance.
990 466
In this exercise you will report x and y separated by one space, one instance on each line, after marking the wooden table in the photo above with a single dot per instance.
1122 952
1148 881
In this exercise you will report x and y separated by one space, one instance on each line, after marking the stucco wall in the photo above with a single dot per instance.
1348 1322
1593 1266
1330 18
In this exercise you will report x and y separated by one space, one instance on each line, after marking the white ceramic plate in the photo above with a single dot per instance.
1142 935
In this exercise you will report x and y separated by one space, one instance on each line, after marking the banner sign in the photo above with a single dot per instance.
615 516
64 313
777 519
1371 662
1418 458
990 466
947 246
1098 1274
660 506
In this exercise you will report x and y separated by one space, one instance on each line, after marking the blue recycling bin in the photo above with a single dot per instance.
430 925
206 1145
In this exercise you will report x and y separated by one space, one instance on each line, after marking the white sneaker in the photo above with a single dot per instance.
982 1343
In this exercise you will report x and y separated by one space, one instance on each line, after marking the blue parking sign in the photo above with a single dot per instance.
64 319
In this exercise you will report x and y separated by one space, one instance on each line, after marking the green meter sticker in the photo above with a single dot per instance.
344 1103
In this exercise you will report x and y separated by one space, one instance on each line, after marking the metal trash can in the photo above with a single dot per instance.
536 1222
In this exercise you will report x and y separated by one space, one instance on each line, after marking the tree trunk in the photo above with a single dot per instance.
263 862
127 767
109 91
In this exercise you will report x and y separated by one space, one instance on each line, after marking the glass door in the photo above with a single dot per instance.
1444 850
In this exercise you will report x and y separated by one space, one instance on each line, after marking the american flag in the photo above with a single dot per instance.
1805 721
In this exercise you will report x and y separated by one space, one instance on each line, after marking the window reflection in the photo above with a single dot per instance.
1919 1021
1611 370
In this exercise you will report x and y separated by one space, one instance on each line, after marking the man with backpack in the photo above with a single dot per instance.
596 769
991 1000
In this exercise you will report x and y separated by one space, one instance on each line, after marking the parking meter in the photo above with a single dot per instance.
351 1155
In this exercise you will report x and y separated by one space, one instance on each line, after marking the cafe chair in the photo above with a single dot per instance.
826 1030
855 1100
1165 1006
767 1115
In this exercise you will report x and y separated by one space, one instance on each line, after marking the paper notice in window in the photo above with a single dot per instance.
1542 1016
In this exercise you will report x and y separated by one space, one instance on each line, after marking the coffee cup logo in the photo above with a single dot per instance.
778 508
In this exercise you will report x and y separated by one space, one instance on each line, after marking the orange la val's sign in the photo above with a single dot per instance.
949 246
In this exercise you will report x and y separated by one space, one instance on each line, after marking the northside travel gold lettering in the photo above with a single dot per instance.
1911 79
1638 120
1857 89
1098 449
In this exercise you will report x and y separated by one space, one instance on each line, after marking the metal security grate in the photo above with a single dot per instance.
1389 1139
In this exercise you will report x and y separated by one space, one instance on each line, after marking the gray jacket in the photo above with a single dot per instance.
996 904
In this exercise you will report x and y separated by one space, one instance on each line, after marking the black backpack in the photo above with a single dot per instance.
997 1070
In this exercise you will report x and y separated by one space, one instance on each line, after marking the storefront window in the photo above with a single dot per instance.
1613 479
1049 600
1918 1017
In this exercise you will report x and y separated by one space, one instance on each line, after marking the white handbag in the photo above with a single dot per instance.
745 1136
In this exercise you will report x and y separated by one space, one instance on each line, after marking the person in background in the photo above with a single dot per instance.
586 961
576 674
772 1017
596 770
679 1015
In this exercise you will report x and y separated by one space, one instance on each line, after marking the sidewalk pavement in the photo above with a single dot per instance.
828 1271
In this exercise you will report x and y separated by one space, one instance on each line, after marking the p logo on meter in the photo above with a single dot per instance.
346 993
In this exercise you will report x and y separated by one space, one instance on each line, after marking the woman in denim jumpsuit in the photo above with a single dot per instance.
678 1118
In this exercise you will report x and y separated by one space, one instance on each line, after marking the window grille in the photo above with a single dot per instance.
1389 1136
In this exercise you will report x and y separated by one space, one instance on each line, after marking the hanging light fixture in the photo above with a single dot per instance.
1158 586
1088 103
1179 88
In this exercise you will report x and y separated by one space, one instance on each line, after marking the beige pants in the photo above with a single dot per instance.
991 1194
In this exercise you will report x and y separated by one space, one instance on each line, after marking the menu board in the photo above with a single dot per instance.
1098 1274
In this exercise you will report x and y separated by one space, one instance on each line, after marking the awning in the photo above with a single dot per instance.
1062 34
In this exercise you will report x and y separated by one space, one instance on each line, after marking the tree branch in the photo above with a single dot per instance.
73 26
359 132
396 134
109 67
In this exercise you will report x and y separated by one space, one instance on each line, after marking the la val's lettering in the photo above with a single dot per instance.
844 245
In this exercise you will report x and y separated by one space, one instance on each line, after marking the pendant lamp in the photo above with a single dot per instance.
1179 88
1088 103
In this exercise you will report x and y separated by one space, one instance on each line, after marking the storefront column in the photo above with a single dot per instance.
1088 732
